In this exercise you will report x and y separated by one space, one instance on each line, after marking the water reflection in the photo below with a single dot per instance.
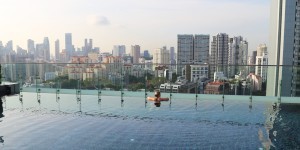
282 127
122 103
1 107
250 105
286 127
265 139
223 104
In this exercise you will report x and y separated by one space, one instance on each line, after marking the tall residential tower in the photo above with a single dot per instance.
284 51
219 54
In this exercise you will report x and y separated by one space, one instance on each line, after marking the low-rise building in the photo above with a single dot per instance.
217 88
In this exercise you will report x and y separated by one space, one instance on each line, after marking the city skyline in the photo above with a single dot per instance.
145 23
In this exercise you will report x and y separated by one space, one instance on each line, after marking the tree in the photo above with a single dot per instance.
157 81
174 77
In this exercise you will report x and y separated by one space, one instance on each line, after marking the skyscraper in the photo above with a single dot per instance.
68 45
119 50
57 50
201 49
284 49
146 54
237 56
185 46
192 50
88 46
9 47
172 53
161 56
135 53
219 54
46 49
31 47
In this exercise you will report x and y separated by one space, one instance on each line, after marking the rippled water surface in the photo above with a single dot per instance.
133 124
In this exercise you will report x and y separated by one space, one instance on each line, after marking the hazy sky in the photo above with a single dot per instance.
148 23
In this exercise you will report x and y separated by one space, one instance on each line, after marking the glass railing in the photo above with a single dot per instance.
173 81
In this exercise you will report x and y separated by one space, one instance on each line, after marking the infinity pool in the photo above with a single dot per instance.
135 124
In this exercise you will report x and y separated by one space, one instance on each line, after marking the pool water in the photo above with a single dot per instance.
138 124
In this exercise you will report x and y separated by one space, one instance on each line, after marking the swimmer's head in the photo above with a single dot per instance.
157 94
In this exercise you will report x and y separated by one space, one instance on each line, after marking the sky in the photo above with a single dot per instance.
149 23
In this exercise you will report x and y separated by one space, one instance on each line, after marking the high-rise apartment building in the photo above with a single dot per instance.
185 47
261 63
57 50
201 49
284 51
135 53
119 50
219 54
191 50
161 56
237 56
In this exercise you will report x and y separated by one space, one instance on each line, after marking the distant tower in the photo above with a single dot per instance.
146 54
57 50
31 48
46 49
172 53
9 46
119 50
161 56
68 45
135 53
91 45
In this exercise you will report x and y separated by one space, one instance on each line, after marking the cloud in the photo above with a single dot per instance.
98 20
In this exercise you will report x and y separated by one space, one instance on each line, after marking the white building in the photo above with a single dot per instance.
199 71
219 76
284 48
161 56
261 63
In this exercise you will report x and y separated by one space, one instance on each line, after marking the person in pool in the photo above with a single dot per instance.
157 99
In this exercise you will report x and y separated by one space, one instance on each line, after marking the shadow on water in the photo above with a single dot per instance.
282 127
1 140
